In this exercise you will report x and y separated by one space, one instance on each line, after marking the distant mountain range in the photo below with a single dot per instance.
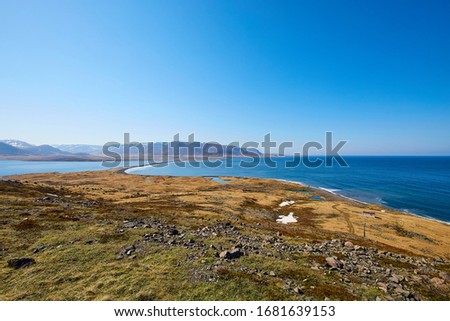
159 148
17 149
16 143
80 148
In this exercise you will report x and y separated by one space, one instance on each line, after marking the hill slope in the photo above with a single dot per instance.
110 236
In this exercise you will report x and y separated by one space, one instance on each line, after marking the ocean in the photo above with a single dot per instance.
418 185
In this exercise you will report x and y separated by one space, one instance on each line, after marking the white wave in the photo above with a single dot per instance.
287 181
330 190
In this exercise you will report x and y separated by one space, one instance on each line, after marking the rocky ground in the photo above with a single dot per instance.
397 276
106 235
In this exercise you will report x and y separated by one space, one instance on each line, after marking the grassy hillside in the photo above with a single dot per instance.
111 236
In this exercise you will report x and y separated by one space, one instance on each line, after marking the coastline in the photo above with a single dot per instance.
126 170
327 190
366 203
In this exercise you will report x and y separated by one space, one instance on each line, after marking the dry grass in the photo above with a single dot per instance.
78 241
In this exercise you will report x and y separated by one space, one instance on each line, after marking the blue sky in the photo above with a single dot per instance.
375 73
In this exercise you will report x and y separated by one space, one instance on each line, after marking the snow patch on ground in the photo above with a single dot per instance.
285 219
286 203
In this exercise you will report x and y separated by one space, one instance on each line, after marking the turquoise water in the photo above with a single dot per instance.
218 180
419 185
12 167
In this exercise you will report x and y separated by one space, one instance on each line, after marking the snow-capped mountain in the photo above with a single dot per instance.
17 143
80 148
13 147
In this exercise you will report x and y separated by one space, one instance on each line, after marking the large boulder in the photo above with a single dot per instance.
349 245
334 263
437 281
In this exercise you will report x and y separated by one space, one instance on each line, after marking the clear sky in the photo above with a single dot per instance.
376 73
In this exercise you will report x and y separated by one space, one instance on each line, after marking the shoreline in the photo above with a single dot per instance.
322 189
124 171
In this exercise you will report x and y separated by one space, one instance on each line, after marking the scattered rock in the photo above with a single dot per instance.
39 248
355 265
401 291
127 251
89 204
130 224
382 286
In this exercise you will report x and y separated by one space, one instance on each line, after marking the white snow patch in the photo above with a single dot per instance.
286 203
285 219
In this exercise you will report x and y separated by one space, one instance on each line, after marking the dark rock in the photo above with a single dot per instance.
20 263
89 204
174 232
298 290
130 224
129 250
233 254
38 249
411 297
